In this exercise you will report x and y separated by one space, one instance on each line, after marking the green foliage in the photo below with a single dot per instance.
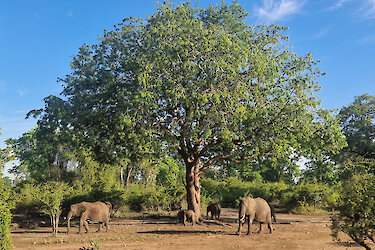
356 216
306 195
321 169
6 203
302 197
50 196
140 198
357 122
200 82
5 215
170 173
115 196
90 174
42 155
229 191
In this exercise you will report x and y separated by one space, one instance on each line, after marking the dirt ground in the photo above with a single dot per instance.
149 232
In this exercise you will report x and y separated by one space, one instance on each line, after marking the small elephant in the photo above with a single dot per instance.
215 210
257 209
186 215
96 212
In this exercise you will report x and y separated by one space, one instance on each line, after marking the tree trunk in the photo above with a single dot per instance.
54 223
121 176
128 174
193 189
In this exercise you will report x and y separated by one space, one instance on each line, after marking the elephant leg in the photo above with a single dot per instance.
86 226
239 228
240 224
184 221
80 226
249 224
68 226
270 227
100 226
260 227
106 225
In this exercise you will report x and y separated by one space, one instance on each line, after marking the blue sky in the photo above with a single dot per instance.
39 38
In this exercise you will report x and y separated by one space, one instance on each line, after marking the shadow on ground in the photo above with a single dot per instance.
181 232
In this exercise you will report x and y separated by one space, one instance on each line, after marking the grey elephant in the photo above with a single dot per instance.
97 212
257 209
186 215
215 210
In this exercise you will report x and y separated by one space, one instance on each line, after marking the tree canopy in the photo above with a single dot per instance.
200 82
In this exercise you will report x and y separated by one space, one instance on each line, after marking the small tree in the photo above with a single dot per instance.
356 216
50 194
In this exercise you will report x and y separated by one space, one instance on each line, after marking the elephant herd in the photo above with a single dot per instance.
251 209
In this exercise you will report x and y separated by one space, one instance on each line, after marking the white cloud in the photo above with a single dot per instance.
370 39
338 4
70 14
365 10
321 33
274 10
21 92
368 9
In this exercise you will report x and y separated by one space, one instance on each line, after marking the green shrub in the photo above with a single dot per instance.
229 192
139 197
356 216
308 197
5 215
25 202
302 197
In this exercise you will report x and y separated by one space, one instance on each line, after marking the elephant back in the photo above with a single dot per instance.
262 210
98 211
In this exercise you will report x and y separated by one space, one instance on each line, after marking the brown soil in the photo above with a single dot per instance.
290 232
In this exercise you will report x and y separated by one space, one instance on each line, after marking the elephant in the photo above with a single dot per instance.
257 209
215 210
96 211
186 215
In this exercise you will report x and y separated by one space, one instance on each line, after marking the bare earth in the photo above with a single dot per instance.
290 232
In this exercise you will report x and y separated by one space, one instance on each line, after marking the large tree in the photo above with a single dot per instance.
358 126
200 82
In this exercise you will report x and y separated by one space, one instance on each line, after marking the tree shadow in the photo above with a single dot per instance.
347 244
36 232
181 232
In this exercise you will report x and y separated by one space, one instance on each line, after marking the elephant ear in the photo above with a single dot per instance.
110 207
81 208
